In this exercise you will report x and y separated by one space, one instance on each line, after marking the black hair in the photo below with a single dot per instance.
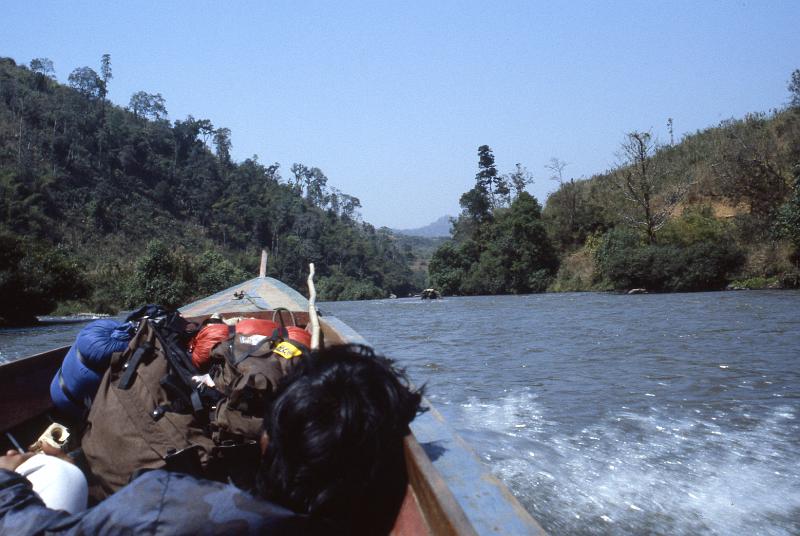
336 429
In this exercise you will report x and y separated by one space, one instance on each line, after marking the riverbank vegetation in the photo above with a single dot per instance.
718 209
103 207
500 244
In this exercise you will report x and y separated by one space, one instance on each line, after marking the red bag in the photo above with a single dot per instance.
299 335
205 340
256 326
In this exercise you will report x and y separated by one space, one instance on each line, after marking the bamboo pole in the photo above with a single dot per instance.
312 308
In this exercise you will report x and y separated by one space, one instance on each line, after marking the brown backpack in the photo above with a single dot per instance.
247 371
130 427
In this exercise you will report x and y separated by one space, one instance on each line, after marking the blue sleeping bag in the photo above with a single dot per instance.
76 382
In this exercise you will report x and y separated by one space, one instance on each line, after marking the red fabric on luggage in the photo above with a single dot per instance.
204 341
255 326
300 335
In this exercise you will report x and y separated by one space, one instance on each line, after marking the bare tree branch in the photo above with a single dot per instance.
642 180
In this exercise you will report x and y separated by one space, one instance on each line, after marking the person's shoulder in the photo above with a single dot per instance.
174 489
177 503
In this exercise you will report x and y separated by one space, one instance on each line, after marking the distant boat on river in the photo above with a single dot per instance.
430 294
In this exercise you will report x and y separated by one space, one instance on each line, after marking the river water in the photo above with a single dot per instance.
604 413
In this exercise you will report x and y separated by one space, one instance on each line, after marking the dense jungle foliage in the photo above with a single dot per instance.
104 207
720 208
500 244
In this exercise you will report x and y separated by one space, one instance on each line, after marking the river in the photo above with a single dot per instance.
605 413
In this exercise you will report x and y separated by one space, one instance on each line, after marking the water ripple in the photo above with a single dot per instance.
667 414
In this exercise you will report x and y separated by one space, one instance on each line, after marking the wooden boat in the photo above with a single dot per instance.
449 491
430 294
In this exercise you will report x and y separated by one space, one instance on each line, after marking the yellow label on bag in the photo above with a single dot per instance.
287 350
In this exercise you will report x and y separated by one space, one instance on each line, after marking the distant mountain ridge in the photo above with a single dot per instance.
440 227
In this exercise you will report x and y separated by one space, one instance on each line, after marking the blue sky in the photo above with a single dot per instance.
392 100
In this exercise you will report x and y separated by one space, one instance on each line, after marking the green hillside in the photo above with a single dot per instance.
719 208
714 210
104 207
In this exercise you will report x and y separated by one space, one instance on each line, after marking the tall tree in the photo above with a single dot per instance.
222 141
568 194
670 127
43 66
205 129
642 180
556 167
349 206
105 75
489 179
299 172
316 187
794 88
86 81
148 105
272 173
477 202
519 179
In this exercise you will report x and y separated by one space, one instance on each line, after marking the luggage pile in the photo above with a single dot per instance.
160 391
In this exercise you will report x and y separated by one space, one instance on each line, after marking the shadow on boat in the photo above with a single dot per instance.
433 449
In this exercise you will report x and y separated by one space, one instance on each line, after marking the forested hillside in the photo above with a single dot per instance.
500 244
718 208
104 207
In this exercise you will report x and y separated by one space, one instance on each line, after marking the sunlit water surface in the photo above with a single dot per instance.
614 414
605 414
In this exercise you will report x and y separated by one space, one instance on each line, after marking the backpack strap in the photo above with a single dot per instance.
253 351
64 389
88 364
133 363
174 332
279 312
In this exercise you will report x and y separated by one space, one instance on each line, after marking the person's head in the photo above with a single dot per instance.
336 430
